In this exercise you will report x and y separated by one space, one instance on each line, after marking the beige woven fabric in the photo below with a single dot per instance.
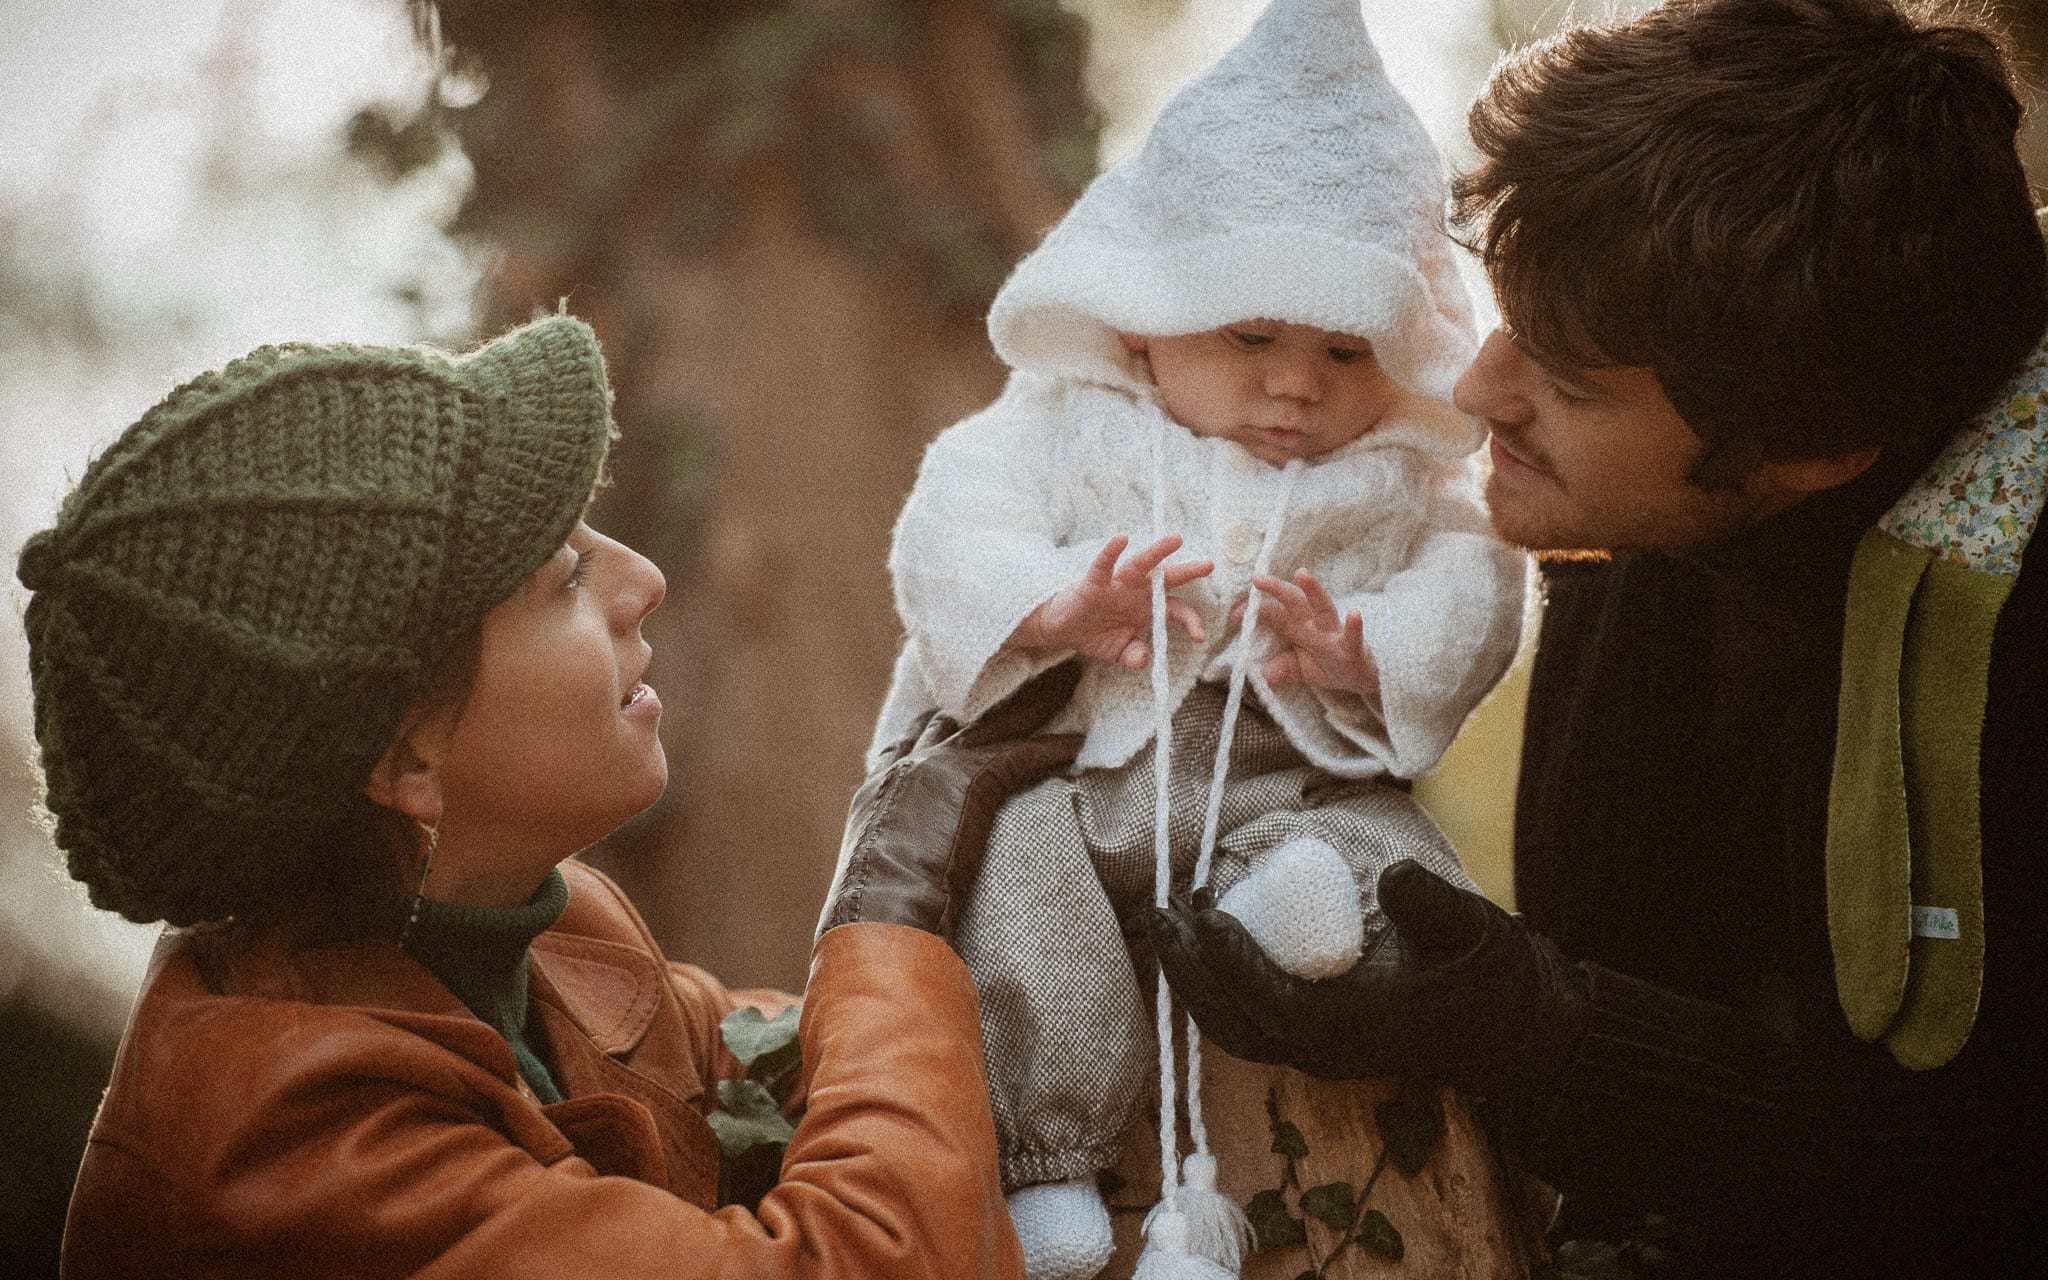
1066 1021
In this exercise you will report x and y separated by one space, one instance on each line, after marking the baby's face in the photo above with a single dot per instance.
1283 391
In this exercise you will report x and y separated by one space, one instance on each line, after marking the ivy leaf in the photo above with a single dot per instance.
1287 1140
764 1046
747 1117
1332 1202
1410 1130
1590 1260
1272 1225
1378 1235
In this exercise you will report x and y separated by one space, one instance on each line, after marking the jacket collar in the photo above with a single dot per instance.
609 990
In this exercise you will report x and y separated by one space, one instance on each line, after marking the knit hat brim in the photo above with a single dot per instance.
248 590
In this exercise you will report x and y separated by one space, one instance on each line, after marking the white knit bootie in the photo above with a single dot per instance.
1064 1228
1300 905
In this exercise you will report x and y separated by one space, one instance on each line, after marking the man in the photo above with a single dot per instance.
1772 298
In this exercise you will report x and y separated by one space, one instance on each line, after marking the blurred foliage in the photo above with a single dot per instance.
702 95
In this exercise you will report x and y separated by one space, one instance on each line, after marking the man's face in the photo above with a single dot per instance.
1594 458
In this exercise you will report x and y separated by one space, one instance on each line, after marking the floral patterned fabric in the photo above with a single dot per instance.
1978 504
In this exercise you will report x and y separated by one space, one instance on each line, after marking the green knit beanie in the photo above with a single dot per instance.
248 589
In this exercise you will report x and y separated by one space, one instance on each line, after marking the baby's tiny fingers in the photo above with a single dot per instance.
1142 563
1282 669
1316 598
1135 654
1286 594
1178 575
1103 565
1182 612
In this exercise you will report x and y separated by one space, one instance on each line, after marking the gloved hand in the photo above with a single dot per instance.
1451 989
919 824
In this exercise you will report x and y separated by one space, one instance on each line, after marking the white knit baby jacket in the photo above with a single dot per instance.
1012 504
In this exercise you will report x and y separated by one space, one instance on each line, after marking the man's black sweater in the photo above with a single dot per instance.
1670 831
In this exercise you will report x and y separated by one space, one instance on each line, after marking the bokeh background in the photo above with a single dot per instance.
784 217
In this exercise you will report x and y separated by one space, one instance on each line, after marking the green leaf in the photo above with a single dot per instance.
1410 1130
764 1046
1333 1202
1272 1226
1378 1235
1287 1140
747 1117
1591 1260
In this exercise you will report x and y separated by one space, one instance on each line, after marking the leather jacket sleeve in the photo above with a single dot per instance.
334 1160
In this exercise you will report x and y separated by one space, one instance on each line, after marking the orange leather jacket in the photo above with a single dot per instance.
338 1112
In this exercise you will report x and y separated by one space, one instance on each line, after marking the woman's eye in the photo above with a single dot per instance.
1245 339
583 559
1345 355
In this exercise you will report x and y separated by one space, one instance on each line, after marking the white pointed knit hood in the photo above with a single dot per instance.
1290 182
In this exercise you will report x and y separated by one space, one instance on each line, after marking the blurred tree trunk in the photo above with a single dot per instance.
785 221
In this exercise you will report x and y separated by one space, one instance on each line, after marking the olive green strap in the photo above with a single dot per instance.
1869 859
1945 678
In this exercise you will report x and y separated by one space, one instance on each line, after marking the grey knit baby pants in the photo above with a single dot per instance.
1066 1031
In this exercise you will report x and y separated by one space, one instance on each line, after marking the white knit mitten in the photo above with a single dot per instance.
1064 1228
1300 905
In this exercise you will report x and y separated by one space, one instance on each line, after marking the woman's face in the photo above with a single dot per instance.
556 744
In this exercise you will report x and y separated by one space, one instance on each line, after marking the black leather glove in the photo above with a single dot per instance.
1452 989
919 825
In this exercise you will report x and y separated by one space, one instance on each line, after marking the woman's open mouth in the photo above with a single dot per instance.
639 694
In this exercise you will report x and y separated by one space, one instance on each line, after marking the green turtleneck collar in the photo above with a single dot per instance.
480 953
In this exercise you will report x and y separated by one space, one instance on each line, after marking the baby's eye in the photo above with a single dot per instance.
1246 338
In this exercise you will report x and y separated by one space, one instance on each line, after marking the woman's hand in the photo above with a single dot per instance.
919 825
1323 648
1107 615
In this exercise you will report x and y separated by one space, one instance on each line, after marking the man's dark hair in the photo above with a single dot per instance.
1807 217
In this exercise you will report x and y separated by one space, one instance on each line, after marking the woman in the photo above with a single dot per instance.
328 671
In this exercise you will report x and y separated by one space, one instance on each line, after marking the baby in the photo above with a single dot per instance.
1240 342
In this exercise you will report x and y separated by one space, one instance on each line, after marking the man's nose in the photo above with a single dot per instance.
1494 387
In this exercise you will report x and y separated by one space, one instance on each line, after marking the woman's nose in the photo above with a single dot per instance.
644 587
1494 387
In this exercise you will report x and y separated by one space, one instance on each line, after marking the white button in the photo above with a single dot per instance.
1241 542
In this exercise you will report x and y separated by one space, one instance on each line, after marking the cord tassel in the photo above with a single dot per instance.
1167 1256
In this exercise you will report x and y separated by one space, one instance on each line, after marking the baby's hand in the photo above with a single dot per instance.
1323 649
1107 614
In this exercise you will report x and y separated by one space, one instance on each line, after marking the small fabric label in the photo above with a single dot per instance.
1936 922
